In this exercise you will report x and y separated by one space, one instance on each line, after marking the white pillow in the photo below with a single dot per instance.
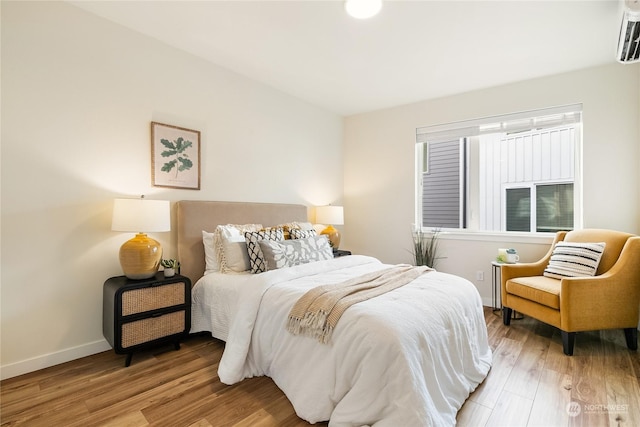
302 225
319 228
212 263
233 247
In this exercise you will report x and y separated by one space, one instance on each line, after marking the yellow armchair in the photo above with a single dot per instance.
608 300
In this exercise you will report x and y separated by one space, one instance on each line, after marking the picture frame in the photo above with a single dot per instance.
175 157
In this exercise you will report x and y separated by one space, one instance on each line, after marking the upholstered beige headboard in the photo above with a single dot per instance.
193 216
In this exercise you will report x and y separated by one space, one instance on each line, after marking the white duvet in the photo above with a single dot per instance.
410 357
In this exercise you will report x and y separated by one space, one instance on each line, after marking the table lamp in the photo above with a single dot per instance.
140 257
330 216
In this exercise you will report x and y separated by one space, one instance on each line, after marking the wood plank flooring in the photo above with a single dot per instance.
531 383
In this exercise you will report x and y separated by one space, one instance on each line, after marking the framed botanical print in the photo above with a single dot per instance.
175 157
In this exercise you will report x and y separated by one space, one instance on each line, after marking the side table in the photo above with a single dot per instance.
338 253
137 314
496 298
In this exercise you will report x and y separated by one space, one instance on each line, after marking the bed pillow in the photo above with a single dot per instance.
287 227
574 259
298 233
303 225
211 260
319 228
252 238
233 247
287 253
230 246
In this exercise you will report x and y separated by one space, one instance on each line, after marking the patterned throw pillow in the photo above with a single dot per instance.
288 253
256 258
287 227
297 233
573 259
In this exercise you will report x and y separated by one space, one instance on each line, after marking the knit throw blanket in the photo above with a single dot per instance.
317 312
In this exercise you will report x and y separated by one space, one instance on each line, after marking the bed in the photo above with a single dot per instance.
409 357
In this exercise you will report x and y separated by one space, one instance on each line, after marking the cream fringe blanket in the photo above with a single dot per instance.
317 312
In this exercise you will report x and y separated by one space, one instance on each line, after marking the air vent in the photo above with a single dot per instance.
629 41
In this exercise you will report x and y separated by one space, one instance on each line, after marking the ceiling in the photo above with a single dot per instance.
410 51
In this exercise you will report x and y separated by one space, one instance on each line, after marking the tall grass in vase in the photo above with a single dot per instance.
425 247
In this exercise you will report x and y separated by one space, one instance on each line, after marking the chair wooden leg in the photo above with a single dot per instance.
506 316
631 335
568 339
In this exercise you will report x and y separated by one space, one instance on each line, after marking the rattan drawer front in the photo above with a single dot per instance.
151 328
153 297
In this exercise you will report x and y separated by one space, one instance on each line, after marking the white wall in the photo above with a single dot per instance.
78 96
379 164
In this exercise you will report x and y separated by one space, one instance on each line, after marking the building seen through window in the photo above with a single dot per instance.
517 172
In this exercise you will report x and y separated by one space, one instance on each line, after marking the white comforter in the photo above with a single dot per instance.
406 358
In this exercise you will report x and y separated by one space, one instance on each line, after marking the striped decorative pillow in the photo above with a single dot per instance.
573 259
297 233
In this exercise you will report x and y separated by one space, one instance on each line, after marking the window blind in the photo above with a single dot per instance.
508 123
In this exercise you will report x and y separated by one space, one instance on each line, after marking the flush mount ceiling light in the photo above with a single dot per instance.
363 9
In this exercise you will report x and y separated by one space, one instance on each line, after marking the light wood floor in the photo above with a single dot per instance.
531 383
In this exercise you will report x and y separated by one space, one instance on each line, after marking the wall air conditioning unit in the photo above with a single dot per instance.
629 41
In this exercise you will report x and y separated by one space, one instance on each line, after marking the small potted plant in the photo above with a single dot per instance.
170 267
425 247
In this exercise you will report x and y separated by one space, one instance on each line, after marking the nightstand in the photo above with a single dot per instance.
139 314
338 253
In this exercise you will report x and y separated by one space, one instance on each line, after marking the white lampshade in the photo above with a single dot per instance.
363 9
330 215
141 215
140 257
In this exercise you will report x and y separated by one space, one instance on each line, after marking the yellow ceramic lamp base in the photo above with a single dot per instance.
333 235
140 257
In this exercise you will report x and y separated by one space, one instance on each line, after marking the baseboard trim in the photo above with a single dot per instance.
40 362
487 302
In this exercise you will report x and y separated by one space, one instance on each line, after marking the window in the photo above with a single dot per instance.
509 173
541 208
518 210
443 183
554 207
